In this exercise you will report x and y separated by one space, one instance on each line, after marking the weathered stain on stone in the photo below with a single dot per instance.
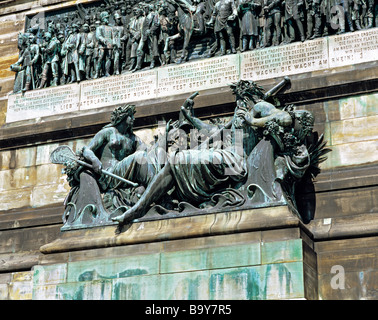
94 275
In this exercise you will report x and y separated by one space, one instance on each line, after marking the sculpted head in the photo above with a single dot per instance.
247 89
22 40
85 27
104 16
47 36
121 113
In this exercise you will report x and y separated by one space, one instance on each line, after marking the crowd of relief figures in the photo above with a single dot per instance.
109 37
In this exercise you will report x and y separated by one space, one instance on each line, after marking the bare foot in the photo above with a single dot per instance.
125 217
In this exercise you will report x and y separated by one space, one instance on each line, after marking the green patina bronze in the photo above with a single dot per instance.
261 158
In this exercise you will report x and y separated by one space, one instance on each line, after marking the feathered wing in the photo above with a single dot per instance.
317 152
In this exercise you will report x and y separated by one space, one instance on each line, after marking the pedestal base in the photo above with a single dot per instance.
253 254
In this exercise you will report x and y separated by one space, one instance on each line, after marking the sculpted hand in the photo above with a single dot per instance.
231 17
246 116
174 124
185 112
97 166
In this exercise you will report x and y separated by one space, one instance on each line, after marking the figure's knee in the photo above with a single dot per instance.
140 157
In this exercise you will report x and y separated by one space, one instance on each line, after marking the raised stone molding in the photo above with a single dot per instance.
173 229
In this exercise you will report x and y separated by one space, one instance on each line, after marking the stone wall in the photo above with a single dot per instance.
344 99
255 270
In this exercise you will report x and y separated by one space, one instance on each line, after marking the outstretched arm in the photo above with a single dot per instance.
263 112
197 123
186 110
89 151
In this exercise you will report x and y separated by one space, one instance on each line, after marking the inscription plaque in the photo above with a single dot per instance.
353 48
284 60
42 103
200 75
119 89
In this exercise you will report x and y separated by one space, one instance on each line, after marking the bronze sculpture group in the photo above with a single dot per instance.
260 158
111 37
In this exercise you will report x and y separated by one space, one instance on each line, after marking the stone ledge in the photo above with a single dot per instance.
362 225
31 217
24 260
34 7
173 229
347 177
154 233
